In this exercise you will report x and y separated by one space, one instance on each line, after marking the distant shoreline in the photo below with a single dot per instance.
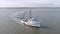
29 7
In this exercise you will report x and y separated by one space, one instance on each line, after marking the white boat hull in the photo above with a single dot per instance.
31 24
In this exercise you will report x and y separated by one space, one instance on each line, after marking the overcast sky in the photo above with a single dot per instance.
29 3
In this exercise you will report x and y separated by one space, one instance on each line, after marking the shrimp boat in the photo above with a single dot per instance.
32 21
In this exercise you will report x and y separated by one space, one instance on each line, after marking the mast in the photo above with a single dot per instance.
24 15
30 15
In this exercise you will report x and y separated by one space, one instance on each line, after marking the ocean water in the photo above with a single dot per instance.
49 18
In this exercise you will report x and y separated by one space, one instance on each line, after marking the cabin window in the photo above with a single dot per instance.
35 19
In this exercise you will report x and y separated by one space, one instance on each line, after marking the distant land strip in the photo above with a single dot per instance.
29 7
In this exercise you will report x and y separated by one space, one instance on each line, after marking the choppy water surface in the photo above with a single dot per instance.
49 18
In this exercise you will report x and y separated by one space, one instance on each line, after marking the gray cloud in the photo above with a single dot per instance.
29 3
